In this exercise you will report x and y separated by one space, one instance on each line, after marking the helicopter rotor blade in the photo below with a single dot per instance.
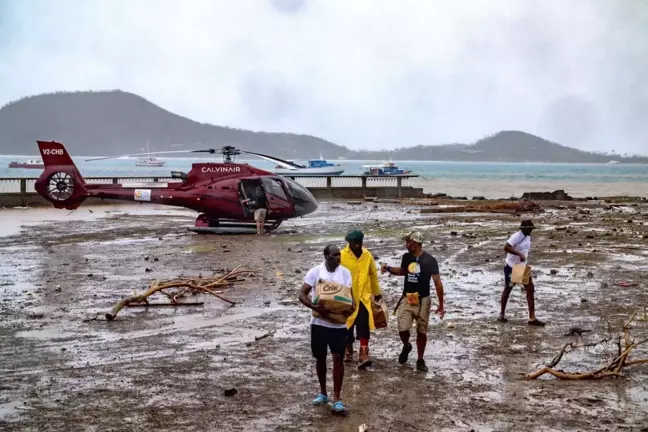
284 163
211 151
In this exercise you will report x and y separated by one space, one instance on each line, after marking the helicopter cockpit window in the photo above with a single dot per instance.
274 188
299 193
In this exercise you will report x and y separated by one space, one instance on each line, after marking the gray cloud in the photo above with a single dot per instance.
362 73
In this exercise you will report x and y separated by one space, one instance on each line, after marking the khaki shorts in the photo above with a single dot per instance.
407 314
260 214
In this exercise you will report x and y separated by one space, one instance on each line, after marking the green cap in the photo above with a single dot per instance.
354 235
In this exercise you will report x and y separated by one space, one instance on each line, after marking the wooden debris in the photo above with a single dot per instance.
502 207
612 369
265 335
182 288
165 304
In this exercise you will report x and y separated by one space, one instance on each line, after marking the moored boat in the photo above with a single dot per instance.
32 163
385 169
315 167
150 162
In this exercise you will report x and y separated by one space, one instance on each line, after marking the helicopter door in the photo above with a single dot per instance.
279 205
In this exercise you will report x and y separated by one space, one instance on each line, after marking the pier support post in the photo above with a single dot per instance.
329 186
399 186
23 191
364 187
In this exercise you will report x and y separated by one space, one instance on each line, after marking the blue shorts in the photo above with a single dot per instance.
507 276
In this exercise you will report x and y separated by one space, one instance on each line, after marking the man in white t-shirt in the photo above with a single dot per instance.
517 248
326 334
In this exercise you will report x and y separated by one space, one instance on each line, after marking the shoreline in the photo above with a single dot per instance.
506 189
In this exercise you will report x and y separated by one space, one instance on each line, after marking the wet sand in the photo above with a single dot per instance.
167 368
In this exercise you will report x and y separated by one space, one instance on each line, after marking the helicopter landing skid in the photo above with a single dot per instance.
205 225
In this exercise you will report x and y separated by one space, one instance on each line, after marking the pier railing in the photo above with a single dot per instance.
22 186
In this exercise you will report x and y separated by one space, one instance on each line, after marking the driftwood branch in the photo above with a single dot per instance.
612 369
194 285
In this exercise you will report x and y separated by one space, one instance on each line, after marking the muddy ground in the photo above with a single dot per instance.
166 369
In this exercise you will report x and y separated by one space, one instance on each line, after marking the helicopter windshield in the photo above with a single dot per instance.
305 202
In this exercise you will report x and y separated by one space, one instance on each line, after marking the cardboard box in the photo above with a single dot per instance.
521 274
336 298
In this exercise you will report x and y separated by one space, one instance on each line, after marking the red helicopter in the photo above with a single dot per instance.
215 190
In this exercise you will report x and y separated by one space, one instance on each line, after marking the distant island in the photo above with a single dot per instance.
116 122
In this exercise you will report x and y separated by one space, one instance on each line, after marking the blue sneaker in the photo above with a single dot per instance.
338 408
321 399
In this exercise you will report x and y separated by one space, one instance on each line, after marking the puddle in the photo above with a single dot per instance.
16 220
118 242
12 410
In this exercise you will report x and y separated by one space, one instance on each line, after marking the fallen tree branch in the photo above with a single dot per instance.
192 285
265 335
145 305
612 369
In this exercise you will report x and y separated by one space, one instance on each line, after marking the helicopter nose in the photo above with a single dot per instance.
306 207
305 202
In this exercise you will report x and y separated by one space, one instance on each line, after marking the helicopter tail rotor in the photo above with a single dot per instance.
61 182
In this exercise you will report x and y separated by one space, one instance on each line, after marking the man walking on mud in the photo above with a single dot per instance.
360 263
517 248
325 334
419 268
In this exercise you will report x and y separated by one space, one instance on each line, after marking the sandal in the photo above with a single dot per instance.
321 399
338 408
536 322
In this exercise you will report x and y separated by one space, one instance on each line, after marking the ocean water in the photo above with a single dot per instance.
428 170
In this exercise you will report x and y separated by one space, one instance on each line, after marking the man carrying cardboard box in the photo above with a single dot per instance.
331 300
517 248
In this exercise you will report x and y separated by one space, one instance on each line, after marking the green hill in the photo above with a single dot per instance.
117 122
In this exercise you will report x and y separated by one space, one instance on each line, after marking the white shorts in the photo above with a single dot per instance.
260 214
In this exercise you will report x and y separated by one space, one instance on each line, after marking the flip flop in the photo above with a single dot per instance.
626 284
338 408
536 322
321 399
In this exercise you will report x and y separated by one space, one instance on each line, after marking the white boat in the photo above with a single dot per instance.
149 161
386 169
315 167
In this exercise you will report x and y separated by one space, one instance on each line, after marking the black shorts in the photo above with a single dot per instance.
361 325
323 338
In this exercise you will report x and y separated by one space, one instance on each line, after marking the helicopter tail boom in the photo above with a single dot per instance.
61 182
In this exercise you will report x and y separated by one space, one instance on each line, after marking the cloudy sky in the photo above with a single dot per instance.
361 73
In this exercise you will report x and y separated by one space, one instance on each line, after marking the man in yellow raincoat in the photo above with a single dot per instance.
360 263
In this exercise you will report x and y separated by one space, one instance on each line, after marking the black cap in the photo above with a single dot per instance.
527 223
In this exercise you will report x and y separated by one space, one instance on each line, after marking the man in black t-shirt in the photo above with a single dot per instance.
259 205
419 268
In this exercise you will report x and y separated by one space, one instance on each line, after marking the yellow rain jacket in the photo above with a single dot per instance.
365 281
